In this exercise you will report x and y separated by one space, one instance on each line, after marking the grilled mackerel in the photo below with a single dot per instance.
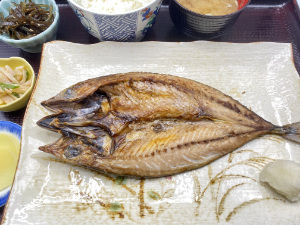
150 125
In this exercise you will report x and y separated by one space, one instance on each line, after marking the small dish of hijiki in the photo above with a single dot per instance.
28 24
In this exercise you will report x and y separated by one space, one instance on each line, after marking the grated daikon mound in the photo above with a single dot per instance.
284 177
112 6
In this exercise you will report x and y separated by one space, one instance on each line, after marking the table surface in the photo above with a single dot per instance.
262 20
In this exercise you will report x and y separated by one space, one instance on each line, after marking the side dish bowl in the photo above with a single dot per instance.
199 25
33 44
4 195
14 62
129 26
15 130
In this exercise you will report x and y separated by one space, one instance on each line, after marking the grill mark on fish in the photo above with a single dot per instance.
235 108
181 146
250 116
229 105
145 124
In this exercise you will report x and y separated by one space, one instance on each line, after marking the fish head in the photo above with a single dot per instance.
76 149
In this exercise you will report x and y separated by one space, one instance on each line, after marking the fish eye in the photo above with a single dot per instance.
72 151
158 127
68 93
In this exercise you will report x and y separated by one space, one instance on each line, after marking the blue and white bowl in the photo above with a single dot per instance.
4 196
34 44
16 130
129 26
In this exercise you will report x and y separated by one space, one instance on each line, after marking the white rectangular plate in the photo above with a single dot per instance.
261 76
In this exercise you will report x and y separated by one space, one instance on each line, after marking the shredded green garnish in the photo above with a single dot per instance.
8 86
16 94
15 83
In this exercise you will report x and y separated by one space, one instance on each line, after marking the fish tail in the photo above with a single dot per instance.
289 131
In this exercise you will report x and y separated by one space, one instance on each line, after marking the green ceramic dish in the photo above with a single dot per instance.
14 62
34 44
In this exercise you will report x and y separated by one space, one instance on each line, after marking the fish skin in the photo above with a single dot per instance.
147 125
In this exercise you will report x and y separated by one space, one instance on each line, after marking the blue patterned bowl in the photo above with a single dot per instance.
130 26
34 44
16 130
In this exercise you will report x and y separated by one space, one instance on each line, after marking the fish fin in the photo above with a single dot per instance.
292 132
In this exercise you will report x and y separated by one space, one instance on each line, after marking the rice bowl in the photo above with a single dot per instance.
126 26
112 6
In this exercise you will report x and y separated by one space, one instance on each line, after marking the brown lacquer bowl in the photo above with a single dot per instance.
199 25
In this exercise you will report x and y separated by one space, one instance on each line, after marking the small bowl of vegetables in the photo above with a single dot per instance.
28 24
17 80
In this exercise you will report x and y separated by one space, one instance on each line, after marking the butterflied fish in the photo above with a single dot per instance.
151 125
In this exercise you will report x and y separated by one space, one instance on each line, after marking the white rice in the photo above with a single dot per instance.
112 6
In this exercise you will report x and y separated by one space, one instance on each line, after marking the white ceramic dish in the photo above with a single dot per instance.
15 129
260 75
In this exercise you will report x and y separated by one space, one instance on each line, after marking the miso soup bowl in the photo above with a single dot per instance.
129 26
203 26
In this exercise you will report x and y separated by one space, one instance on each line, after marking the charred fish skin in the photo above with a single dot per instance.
183 97
149 125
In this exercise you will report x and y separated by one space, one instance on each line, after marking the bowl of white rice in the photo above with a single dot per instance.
117 20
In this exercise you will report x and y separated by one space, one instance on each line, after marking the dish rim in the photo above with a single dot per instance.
16 130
